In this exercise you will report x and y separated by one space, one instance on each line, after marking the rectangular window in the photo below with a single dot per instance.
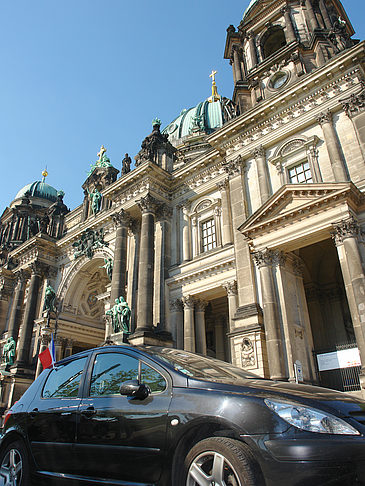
208 235
300 174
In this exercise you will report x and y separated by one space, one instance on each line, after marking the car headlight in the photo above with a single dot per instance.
310 419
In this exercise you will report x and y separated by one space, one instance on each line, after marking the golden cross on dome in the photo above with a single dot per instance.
212 75
102 152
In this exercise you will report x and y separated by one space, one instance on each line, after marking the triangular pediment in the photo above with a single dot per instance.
293 200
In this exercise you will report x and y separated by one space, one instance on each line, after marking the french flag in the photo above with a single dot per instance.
48 356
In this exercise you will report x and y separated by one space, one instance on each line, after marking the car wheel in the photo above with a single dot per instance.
14 465
220 461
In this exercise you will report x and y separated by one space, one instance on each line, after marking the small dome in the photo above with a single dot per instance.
38 189
205 117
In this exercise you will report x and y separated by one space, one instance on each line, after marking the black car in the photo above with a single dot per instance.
123 415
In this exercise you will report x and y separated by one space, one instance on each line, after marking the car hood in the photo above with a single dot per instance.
306 394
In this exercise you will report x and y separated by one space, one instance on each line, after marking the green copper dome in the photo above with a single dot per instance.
38 189
205 117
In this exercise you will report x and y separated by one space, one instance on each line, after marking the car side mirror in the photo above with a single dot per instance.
134 389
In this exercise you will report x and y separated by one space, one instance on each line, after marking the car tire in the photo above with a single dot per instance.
219 460
14 465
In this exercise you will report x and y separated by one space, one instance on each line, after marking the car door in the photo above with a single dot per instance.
119 437
52 418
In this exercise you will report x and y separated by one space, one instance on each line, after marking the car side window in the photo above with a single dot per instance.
110 370
152 378
64 381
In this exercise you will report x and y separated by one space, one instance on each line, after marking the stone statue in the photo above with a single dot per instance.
95 198
120 315
89 241
108 265
9 352
339 36
49 299
126 164
43 224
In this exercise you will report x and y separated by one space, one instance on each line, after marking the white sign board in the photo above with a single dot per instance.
346 358
298 369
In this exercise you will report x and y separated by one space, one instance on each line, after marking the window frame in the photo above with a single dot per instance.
204 210
139 358
81 384
214 233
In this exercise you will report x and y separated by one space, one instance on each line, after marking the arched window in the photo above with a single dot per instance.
273 41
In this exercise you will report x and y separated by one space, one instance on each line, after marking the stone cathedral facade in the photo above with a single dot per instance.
238 234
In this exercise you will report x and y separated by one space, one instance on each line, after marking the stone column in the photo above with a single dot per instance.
132 289
252 46
162 262
227 236
186 235
289 29
219 339
355 110
274 341
189 328
345 235
148 206
121 221
237 63
333 146
313 22
176 323
232 295
25 338
259 155
16 306
324 12
201 339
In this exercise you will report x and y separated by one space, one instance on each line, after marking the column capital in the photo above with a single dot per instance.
223 185
259 152
286 9
268 257
176 305
121 218
250 35
231 287
324 117
200 305
233 167
347 228
39 269
164 212
188 302
148 204
354 105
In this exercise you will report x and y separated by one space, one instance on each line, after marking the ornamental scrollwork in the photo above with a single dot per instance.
347 228
89 241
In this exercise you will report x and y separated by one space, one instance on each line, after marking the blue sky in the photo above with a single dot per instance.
80 73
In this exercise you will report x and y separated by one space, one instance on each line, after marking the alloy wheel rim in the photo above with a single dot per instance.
212 469
11 469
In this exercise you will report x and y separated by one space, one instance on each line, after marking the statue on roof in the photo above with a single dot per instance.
126 164
95 198
154 143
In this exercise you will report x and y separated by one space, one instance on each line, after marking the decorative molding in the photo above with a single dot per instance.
347 228
231 287
354 105
148 204
269 257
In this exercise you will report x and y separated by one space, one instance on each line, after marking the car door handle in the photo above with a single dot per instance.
88 412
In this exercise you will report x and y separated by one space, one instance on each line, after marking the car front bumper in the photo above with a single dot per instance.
316 461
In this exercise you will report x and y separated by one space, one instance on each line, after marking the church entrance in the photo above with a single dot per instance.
216 320
330 317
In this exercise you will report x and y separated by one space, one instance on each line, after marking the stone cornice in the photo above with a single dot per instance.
316 197
41 247
201 271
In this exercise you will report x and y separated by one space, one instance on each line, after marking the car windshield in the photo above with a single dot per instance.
201 367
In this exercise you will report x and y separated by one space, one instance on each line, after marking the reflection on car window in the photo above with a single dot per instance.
201 367
152 378
64 381
110 371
